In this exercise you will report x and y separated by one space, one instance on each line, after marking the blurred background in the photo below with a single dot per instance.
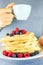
34 23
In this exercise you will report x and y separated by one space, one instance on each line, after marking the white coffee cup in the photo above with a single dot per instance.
22 11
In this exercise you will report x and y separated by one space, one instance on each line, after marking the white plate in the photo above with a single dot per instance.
29 58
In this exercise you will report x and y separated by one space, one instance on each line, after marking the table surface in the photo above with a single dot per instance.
34 23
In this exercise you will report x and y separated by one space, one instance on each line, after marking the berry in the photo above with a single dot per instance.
20 32
24 31
20 55
10 35
17 29
7 34
17 53
13 32
5 53
14 55
17 33
10 54
34 53
26 54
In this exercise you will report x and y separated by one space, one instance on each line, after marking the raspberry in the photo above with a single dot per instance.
13 32
10 54
20 55
26 54
24 31
5 53
17 29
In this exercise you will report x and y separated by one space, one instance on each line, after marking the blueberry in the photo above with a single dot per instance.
17 54
7 34
34 53
11 35
17 33
20 31
14 55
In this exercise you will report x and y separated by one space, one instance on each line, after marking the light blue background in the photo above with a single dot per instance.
33 23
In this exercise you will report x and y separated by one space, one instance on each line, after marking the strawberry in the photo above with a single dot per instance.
26 54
